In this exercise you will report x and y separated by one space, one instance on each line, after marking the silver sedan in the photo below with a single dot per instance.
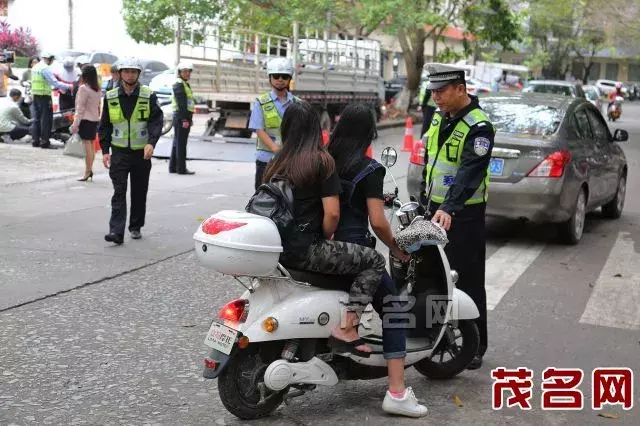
554 160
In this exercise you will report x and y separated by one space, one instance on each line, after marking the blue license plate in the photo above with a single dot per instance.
496 166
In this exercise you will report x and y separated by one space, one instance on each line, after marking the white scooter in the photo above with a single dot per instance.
271 343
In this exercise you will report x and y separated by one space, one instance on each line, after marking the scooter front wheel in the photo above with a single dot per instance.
453 354
241 385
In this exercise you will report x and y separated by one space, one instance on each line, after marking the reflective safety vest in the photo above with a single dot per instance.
131 133
39 85
444 161
423 92
191 104
272 121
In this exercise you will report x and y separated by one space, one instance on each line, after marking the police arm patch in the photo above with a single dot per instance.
481 146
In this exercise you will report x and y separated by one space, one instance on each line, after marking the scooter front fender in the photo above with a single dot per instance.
462 306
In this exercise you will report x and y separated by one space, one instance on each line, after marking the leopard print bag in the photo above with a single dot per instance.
420 233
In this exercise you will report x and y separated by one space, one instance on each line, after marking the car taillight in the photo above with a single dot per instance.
417 155
552 166
213 226
236 311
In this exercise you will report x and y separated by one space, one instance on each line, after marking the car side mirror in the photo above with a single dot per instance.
620 135
389 156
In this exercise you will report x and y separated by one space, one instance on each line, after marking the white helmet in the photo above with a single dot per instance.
185 65
280 66
129 64
68 63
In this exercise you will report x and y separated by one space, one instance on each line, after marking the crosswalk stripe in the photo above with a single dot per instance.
615 299
505 266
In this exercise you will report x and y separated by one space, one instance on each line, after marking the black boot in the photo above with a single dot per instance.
114 238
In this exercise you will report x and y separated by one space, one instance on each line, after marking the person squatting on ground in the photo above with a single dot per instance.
306 164
361 203
13 122
130 127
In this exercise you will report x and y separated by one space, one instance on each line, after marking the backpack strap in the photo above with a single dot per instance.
370 168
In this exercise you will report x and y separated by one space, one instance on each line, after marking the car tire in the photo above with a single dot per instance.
571 231
613 209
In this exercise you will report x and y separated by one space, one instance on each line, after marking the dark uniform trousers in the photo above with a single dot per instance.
261 166
466 252
125 163
42 120
178 160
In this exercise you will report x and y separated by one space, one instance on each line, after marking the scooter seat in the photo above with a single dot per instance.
325 281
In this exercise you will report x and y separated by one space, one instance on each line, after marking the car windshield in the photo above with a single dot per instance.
550 88
510 117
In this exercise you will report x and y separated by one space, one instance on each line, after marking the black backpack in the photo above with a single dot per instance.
275 201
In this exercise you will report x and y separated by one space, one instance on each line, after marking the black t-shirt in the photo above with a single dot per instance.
308 202
369 187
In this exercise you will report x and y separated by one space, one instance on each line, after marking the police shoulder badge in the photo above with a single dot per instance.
481 146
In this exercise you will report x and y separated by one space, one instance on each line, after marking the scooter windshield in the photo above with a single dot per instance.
421 233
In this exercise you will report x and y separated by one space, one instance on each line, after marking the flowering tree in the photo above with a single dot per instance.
19 40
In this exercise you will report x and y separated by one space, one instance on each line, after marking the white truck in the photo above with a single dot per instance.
230 73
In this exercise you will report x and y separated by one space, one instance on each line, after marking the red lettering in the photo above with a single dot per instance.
559 389
613 386
518 382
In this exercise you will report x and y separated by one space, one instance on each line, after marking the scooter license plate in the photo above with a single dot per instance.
221 338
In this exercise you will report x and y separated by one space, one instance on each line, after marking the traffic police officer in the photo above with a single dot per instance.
183 107
427 105
130 126
456 182
267 113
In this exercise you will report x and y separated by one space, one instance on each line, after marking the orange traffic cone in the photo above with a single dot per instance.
369 152
325 137
408 135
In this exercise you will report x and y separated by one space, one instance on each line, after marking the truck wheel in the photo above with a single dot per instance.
241 386
451 358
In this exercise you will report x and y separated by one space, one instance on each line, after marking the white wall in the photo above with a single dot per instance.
98 25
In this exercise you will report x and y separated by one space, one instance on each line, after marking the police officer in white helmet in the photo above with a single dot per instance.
130 127
183 105
267 113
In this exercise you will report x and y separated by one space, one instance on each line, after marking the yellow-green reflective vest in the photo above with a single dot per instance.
39 85
272 120
443 169
133 132
423 92
191 104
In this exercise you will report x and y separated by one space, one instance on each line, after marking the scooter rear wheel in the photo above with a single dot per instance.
241 385
460 355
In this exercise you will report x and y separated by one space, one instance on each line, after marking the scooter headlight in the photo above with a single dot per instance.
454 276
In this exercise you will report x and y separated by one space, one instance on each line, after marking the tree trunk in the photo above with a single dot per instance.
70 11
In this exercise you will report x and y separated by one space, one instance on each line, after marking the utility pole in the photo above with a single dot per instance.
70 10
178 39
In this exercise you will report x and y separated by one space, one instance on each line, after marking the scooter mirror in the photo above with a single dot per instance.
389 156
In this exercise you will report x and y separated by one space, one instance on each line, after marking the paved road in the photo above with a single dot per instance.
95 334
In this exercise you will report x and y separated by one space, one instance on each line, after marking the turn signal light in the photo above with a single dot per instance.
553 165
235 311
213 226
270 325
209 363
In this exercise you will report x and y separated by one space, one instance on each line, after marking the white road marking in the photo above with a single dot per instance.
505 266
214 196
184 205
615 299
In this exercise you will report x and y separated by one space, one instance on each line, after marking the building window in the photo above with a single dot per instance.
634 72
611 71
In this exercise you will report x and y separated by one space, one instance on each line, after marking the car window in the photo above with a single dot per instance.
598 126
523 118
556 90
583 128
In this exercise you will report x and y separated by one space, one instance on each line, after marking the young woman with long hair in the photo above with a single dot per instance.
362 203
87 115
310 169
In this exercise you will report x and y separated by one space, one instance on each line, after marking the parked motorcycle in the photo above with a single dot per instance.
61 125
614 110
271 343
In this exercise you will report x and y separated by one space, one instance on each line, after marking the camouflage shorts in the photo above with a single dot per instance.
340 258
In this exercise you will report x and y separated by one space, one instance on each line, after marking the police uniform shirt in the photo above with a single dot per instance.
128 103
180 94
256 120
474 159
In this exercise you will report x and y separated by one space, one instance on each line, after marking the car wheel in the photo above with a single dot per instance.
613 209
571 230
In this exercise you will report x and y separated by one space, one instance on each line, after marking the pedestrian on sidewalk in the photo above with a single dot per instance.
130 127
13 123
42 84
87 116
456 182
267 113
183 106
115 78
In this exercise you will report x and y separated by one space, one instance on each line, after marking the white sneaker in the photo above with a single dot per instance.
406 406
